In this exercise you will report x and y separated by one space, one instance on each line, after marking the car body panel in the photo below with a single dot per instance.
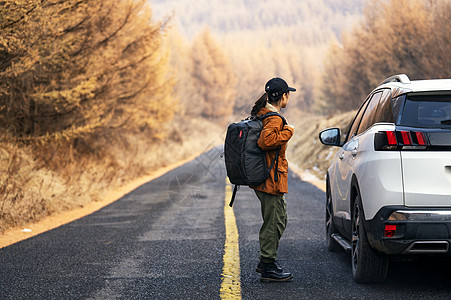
379 175
427 178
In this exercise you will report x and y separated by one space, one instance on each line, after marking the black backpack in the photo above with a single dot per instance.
244 159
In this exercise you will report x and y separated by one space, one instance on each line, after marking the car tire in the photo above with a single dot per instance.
332 245
368 265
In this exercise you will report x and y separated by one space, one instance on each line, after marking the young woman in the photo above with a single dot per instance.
273 139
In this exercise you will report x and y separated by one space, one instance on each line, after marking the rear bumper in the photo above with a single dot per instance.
418 230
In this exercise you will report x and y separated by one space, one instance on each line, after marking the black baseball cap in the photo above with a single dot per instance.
277 87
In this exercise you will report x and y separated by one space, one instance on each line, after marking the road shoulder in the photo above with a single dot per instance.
305 175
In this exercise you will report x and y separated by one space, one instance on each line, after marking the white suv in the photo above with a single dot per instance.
389 185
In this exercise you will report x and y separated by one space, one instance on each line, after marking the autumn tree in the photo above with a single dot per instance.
213 80
80 68
397 36
180 69
255 65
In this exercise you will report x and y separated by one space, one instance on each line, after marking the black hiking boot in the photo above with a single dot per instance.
274 272
260 266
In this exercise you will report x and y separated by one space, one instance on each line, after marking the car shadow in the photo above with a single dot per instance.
433 271
417 274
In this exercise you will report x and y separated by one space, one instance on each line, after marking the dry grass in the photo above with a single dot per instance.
34 185
305 150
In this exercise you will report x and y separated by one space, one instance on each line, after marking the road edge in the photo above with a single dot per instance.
306 176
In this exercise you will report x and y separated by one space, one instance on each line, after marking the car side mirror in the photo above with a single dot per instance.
330 137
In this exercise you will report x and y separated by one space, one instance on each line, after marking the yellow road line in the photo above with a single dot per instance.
230 285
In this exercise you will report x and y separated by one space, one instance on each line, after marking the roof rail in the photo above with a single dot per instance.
396 78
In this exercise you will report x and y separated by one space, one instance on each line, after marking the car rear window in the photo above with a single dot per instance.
427 111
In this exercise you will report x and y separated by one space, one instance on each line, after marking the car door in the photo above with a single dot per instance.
349 158
340 175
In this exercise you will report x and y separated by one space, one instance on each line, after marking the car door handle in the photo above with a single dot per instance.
342 155
354 153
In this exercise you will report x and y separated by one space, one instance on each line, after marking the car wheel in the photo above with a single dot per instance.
332 245
368 265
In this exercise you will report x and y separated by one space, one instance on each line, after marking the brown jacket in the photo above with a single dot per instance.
275 134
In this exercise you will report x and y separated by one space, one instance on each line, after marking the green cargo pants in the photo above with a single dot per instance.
274 213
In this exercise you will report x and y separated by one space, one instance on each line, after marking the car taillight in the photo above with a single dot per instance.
389 230
391 136
407 141
421 138
400 140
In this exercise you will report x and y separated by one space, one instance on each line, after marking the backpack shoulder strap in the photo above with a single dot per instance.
270 114
235 189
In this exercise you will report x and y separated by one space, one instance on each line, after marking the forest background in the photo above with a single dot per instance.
94 94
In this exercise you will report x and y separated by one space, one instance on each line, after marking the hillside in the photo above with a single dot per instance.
305 151
307 21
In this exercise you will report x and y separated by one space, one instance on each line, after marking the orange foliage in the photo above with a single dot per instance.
397 36
205 81
264 39
213 78
78 69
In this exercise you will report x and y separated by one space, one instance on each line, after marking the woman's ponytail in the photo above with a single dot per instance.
259 104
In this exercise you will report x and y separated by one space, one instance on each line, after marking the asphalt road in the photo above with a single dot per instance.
165 240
